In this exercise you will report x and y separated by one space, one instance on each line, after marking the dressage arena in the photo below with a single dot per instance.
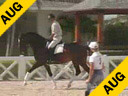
41 88
12 76
44 88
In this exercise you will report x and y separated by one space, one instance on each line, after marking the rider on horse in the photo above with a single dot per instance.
56 34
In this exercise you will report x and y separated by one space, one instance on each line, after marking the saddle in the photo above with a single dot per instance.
56 50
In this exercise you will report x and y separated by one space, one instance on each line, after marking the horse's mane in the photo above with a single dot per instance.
39 37
35 39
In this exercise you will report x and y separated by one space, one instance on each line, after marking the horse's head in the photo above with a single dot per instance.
34 40
23 41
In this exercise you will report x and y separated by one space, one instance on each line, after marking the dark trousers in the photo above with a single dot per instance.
96 79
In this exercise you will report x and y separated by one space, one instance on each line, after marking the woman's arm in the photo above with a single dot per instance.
103 67
91 72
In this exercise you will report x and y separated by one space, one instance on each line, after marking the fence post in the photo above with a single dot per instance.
106 63
21 67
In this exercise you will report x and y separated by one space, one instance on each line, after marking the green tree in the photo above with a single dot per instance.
116 34
67 23
87 26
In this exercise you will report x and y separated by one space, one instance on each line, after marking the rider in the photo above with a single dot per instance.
96 66
56 34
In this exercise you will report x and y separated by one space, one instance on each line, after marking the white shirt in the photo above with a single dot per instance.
56 30
97 59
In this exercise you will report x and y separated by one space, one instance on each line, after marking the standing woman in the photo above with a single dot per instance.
96 68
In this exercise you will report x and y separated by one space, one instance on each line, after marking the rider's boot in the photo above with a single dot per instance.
50 55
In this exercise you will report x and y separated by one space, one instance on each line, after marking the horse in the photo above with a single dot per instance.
72 52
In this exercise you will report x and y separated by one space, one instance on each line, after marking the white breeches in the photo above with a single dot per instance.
54 42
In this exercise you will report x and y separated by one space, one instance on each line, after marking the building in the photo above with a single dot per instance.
99 8
35 20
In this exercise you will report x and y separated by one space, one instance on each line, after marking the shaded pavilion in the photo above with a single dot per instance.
99 8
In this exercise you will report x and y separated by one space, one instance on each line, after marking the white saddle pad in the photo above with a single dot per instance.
59 48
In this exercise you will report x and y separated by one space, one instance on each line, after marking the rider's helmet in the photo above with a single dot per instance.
94 45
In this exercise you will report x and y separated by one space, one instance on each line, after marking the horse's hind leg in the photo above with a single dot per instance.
36 65
50 74
77 69
85 67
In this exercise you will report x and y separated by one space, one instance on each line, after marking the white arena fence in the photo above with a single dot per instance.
19 66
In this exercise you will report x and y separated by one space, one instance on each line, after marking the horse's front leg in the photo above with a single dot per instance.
77 69
26 78
50 74
36 65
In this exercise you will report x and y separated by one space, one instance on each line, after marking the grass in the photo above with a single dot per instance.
14 70
7 63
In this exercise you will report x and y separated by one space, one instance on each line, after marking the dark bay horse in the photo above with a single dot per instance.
72 52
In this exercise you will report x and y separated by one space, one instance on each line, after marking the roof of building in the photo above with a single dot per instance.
52 5
88 5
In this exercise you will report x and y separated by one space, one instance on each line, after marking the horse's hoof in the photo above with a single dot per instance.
69 85
54 87
25 84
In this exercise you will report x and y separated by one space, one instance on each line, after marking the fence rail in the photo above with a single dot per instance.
62 70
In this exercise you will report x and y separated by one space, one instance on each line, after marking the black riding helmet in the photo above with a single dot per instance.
51 16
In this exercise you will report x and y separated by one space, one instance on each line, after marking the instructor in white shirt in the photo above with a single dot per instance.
96 68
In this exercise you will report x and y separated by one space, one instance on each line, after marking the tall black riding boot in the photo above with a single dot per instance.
50 54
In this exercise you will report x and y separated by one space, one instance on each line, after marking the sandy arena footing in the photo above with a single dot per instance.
44 88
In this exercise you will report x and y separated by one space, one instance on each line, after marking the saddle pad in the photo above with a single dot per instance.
59 48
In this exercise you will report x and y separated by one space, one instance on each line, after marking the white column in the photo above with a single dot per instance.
21 67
